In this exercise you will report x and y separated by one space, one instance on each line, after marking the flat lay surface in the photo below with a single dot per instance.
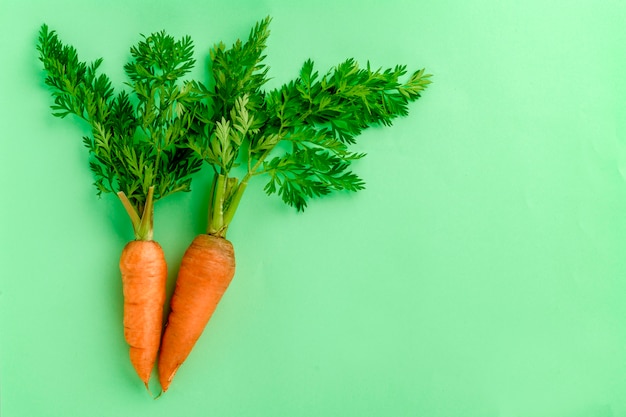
481 272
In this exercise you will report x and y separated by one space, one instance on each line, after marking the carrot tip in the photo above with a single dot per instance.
150 392
148 389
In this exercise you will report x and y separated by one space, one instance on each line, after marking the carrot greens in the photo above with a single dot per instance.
136 141
298 135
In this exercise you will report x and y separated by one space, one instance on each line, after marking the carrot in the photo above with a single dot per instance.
144 274
298 135
206 271
136 149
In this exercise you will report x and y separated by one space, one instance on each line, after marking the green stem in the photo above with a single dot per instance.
217 207
130 209
226 195
142 226
234 203
146 227
211 202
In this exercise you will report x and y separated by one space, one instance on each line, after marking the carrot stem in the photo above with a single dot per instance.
217 208
211 201
226 193
234 203
130 209
142 226
145 231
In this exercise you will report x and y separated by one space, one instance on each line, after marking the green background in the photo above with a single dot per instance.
481 273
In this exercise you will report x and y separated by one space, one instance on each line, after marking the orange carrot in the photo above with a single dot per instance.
144 274
298 135
206 270
137 151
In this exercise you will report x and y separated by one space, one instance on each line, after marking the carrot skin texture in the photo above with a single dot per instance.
144 275
206 270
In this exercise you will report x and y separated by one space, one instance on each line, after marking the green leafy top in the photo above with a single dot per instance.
136 146
299 134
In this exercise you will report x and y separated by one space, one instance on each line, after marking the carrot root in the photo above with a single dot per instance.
144 274
206 271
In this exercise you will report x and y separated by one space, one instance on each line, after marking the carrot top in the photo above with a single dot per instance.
136 139
299 134
146 144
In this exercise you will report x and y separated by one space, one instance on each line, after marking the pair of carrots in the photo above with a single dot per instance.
148 148
206 270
